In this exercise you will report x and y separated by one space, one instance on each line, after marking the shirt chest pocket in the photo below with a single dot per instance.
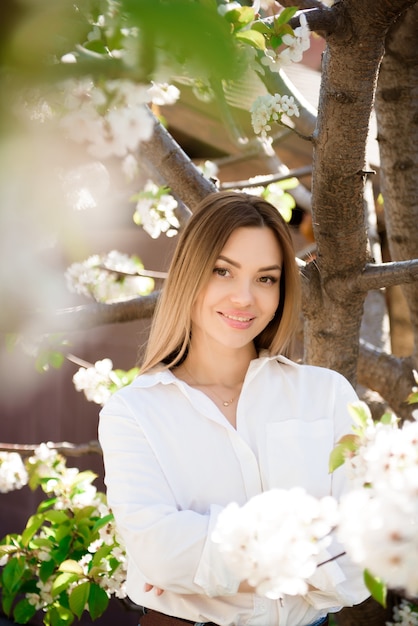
298 454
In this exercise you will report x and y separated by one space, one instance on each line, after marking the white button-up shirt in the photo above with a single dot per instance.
173 462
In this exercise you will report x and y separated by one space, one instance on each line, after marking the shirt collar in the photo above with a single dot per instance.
166 377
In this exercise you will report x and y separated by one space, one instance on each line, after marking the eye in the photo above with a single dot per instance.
268 280
221 271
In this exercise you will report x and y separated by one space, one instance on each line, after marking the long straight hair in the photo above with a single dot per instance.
197 251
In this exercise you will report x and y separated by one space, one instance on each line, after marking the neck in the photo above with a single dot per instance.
228 369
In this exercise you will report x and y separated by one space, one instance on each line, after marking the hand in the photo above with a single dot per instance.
157 590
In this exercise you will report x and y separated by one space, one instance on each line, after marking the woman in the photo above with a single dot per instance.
218 415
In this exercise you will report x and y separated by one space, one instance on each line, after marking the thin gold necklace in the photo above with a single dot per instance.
225 403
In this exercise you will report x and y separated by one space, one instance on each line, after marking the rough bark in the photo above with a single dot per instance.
397 118
350 66
179 172
390 376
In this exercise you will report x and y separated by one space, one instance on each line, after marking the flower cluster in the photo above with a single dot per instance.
13 474
69 557
109 278
379 515
110 119
95 381
99 381
267 109
406 614
155 211
296 44
275 539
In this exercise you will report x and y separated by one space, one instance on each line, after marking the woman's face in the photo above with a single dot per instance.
243 292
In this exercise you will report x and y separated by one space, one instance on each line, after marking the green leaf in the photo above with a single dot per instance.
56 517
388 419
190 31
376 587
288 183
7 602
46 570
61 553
240 17
23 611
96 46
253 38
275 41
101 553
262 28
413 397
98 601
71 567
13 574
360 413
284 17
347 444
86 476
58 616
7 550
32 526
62 582
46 504
102 522
85 512
79 597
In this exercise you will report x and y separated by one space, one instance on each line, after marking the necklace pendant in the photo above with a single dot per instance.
226 403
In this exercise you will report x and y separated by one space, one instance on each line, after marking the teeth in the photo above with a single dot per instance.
238 318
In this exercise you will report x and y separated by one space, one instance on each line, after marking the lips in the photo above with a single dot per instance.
237 320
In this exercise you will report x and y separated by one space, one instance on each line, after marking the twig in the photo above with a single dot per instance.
332 558
267 180
64 447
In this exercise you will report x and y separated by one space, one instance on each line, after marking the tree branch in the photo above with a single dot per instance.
299 172
390 376
380 275
91 315
173 164
64 447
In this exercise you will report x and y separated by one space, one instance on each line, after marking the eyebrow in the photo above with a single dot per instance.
269 268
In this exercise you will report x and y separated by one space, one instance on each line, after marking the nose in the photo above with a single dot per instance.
242 294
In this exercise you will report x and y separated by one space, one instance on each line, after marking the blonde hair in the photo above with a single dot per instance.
197 251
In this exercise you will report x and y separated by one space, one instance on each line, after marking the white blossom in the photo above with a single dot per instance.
379 532
111 119
274 540
270 108
404 615
208 168
228 6
13 474
95 381
108 278
155 211
297 43
379 516
162 93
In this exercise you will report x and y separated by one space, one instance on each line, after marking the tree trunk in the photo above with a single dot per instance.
369 613
397 116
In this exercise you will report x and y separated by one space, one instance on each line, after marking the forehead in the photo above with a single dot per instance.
253 243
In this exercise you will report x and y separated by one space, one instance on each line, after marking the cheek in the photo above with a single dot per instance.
272 299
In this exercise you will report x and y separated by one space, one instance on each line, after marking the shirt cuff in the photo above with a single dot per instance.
212 574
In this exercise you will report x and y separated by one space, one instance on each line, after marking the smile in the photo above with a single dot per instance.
238 318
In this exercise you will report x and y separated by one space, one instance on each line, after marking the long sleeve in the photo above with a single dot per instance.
164 542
